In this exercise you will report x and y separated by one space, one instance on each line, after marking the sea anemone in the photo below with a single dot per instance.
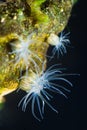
59 43
22 52
38 89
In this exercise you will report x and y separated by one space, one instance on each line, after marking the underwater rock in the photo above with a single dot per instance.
26 29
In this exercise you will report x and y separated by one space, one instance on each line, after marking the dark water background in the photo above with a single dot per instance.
72 112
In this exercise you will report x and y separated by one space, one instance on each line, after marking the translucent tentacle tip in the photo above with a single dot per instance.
38 90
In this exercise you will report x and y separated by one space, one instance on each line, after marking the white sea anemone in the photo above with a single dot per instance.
22 52
59 43
38 89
